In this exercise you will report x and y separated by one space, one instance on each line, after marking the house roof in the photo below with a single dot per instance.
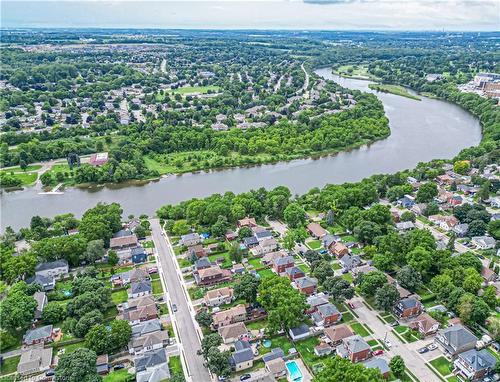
270 242
316 300
294 271
284 260
51 265
276 366
34 358
316 229
338 333
156 374
243 352
208 272
274 354
40 279
484 240
233 331
356 344
138 251
478 360
190 236
247 221
141 313
146 327
338 247
215 293
328 310
250 240
299 330
202 262
263 234
377 363
305 282
141 286
38 334
149 339
487 273
426 321
150 359
229 313
138 274
408 303
458 335
122 241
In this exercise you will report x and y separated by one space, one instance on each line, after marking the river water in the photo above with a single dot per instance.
420 131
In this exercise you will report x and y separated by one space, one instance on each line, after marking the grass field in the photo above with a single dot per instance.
188 90
393 89
442 365
117 376
314 244
157 288
9 365
359 329
119 296
31 167
359 71
174 364
26 178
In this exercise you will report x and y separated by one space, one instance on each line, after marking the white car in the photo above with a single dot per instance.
432 347
388 343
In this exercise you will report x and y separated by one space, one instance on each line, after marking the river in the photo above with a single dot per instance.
420 131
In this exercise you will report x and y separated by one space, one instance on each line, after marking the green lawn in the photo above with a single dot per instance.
278 342
314 244
336 265
453 379
265 273
256 263
157 288
121 375
347 317
359 329
256 325
196 89
227 259
26 178
360 71
71 347
175 365
348 277
306 350
305 268
9 365
119 296
442 365
393 89
31 167
196 293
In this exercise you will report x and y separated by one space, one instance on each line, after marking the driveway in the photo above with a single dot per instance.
187 330
413 361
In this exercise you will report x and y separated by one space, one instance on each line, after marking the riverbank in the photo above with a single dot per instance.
394 89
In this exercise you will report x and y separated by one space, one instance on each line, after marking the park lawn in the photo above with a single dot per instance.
196 89
442 365
26 178
354 71
306 350
394 89
314 244
31 167
359 329
117 376
9 365
265 273
157 288
119 296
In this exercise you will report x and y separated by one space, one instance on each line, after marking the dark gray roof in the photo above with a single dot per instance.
356 344
141 286
328 309
149 359
302 329
458 335
38 334
284 260
243 352
409 302
137 251
478 360
275 353
122 233
263 234
190 236
146 327
305 282
51 265
377 363
202 262
250 240
40 279
294 270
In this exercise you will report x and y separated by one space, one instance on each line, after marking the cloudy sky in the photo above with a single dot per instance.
452 15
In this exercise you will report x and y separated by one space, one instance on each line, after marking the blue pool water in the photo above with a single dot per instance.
294 371
266 343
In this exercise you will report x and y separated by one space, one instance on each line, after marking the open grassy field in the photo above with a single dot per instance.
26 178
9 365
393 89
354 71
442 365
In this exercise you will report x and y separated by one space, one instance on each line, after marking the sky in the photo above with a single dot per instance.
449 15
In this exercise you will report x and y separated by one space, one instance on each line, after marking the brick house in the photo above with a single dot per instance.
408 307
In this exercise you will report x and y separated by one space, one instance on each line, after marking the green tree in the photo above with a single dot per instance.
79 365
409 278
386 296
322 271
420 259
494 229
427 192
367 231
95 251
247 288
203 318
370 282
490 296
338 369
208 342
113 258
339 288
17 310
235 252
284 304
477 228
461 167
180 227
408 216
397 366
86 322
218 362
294 215
53 313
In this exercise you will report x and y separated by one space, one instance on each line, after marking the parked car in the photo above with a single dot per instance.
395 323
432 347
119 366
174 308
378 352
388 343
49 372
222 378
244 377
423 350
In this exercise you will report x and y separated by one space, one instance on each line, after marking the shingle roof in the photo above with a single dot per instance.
51 265
458 336
141 286
243 352
328 310
274 354
149 359
478 360
356 344
377 363
38 333
146 327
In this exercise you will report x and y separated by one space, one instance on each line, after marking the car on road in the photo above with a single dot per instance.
378 352
432 347
119 366
388 343
222 378
351 305
423 350
244 377
395 323
50 373
174 308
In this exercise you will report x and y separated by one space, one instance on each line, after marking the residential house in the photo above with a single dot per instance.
102 364
221 296
488 274
196 251
137 303
323 349
190 239
316 230
455 340
242 358
276 367
281 264
140 288
419 208
329 239
152 366
275 353
474 364
338 249
138 255
461 229
445 179
425 324
232 333
300 332
268 258
380 364
211 276
265 246
250 242
495 202
40 335
148 342
247 222
335 334
294 273
407 201
349 262
314 301
262 235
445 222
408 307
202 263
123 242
306 285
405 226
484 242
48 283
41 301
140 314
230 316
326 315
146 327
455 200
354 348
54 269
34 360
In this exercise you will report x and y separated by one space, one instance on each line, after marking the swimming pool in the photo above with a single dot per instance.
266 343
294 373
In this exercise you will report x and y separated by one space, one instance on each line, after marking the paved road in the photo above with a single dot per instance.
187 332
413 361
